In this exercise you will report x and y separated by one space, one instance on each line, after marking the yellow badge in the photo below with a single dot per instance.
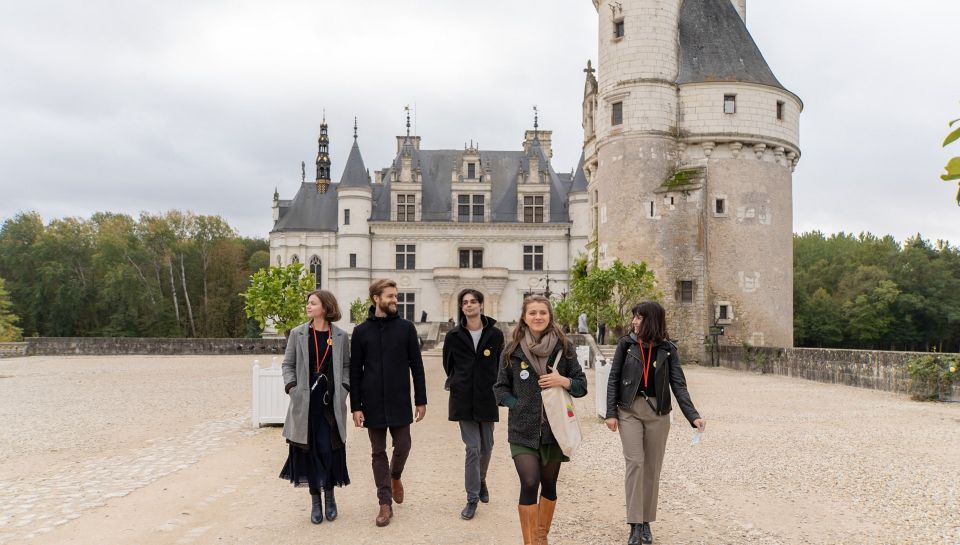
330 341
524 365
486 352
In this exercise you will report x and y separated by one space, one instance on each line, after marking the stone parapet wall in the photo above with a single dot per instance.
87 346
878 370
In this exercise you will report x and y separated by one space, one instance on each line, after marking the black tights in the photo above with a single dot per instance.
536 478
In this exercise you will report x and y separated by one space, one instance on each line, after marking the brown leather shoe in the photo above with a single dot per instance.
396 488
384 516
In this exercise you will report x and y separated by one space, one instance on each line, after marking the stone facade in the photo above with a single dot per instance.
690 143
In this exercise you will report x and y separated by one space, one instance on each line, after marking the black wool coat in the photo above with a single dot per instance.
471 372
384 354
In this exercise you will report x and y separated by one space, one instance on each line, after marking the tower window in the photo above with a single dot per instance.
724 312
618 28
720 206
729 104
353 261
653 209
686 291
346 216
780 105
616 117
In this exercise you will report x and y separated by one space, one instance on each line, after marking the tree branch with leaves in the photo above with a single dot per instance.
279 295
953 165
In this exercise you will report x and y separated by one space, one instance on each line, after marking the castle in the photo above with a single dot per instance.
690 143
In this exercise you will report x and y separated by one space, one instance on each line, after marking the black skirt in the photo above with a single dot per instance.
323 463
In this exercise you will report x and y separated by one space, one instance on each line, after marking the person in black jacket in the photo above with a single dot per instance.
538 356
384 354
646 366
471 357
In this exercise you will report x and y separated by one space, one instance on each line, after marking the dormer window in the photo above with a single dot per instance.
471 171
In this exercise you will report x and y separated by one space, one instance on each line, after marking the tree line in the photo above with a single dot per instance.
864 291
176 274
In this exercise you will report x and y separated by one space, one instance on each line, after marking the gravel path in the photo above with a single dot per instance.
158 450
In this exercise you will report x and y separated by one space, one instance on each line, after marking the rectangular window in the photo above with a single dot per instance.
406 257
353 261
618 29
470 208
723 312
471 170
720 206
729 104
406 208
653 209
616 117
471 258
406 304
686 291
780 105
346 216
533 209
533 257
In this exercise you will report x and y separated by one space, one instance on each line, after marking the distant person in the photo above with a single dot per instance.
316 374
385 352
471 359
582 324
645 368
601 332
527 368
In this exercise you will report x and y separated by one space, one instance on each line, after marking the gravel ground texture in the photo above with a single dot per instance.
160 450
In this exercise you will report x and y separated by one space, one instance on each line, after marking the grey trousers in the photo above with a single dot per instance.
478 438
644 438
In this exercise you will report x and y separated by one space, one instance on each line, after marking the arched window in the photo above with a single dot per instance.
315 269
295 259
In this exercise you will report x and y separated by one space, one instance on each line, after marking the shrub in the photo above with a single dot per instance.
930 375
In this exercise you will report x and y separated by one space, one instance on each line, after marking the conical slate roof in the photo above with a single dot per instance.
579 178
355 173
715 45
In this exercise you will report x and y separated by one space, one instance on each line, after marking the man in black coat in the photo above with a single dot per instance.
471 360
384 353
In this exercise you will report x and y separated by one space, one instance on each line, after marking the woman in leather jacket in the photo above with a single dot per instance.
645 368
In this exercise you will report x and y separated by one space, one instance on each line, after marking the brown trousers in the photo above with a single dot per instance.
383 471
644 438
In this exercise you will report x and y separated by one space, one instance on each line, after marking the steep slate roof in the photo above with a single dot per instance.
579 178
436 167
355 173
715 45
309 210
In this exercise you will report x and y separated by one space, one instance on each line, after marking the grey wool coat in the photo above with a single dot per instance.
296 369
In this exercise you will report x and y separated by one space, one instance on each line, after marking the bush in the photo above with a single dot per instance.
930 375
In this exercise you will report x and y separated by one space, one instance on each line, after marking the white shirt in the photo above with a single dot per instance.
476 337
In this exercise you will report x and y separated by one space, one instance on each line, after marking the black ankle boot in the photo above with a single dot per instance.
646 536
331 504
634 538
316 514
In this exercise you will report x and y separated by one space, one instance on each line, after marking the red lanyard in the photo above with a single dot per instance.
646 363
316 345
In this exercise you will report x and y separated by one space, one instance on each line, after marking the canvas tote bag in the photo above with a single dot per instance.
558 406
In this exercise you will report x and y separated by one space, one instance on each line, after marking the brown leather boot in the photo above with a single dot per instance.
529 523
545 514
396 488
384 516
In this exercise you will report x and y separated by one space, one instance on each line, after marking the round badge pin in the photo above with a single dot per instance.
486 352
524 375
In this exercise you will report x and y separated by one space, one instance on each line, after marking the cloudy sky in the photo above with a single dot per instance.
209 105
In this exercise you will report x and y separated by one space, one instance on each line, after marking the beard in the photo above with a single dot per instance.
387 308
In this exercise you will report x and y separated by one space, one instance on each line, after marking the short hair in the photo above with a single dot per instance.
379 285
469 291
329 303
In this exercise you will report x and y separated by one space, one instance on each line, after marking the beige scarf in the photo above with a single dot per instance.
538 352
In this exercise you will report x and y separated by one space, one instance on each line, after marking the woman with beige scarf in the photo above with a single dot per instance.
538 356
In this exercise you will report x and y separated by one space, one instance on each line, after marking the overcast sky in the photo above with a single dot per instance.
132 105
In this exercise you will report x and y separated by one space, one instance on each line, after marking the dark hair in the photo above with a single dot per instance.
464 292
379 285
653 328
329 303
521 328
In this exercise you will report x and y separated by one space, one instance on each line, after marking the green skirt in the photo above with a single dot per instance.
548 453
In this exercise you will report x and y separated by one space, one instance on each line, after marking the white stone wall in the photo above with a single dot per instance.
702 113
648 48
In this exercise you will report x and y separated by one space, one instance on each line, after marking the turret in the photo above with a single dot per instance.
323 158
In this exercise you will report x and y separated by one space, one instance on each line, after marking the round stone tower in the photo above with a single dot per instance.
690 144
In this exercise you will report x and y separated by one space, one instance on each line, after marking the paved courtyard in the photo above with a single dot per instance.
159 450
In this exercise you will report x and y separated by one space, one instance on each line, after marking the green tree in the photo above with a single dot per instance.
607 295
953 165
825 326
358 311
278 294
8 330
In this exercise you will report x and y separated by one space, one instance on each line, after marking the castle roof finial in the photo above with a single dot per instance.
536 124
324 116
354 128
407 108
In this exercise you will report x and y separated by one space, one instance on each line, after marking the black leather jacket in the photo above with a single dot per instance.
626 375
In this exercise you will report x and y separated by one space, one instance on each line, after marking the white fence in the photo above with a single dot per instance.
270 402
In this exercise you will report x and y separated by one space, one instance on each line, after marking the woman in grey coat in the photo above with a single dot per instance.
316 372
